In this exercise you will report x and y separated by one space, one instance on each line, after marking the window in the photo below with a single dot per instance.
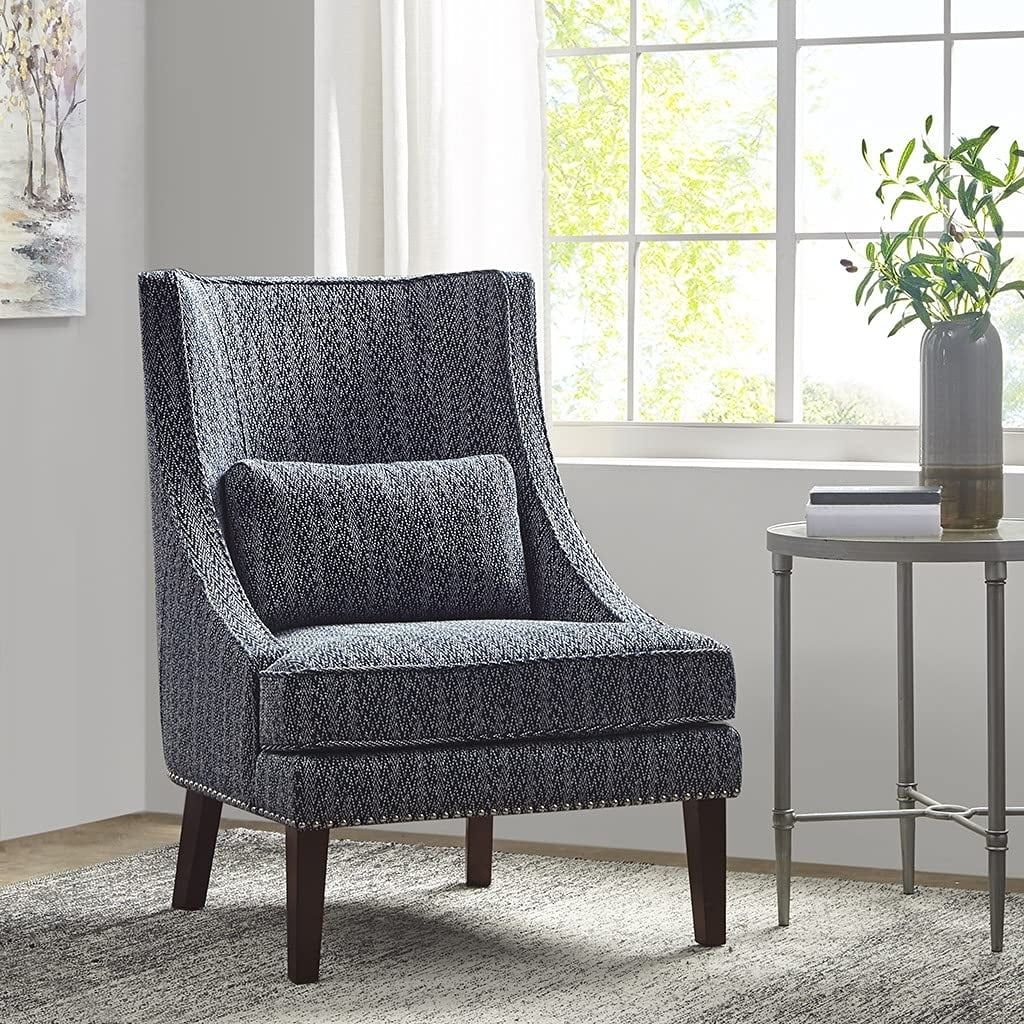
704 174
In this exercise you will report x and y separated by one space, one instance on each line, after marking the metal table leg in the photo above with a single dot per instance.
905 675
996 840
782 817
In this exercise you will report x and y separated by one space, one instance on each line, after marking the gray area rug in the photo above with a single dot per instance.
551 940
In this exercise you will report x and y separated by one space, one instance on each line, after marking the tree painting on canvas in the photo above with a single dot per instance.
42 158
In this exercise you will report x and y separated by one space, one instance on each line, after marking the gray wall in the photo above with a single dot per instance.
230 171
73 526
230 150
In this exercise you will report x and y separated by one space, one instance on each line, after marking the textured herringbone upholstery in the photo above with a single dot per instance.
590 701
410 684
391 542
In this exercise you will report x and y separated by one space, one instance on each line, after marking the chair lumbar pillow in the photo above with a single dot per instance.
317 544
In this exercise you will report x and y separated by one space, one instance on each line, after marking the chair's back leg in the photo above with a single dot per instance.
198 840
479 844
704 823
307 875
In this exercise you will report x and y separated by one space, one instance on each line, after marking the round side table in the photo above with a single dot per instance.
992 548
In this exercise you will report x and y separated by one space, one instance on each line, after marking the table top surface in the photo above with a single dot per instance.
1004 544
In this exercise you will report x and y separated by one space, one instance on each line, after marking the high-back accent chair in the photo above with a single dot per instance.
385 611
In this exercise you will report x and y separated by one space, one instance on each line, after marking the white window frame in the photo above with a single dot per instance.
785 438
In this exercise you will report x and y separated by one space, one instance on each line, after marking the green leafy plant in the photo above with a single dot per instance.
947 263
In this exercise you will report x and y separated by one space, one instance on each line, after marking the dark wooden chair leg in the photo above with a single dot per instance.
307 875
479 843
704 823
195 850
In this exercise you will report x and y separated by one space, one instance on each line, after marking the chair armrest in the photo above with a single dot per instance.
212 647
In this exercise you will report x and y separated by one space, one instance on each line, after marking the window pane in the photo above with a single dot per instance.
578 23
707 141
817 19
588 330
1008 316
985 92
990 16
705 324
588 145
840 100
706 21
849 372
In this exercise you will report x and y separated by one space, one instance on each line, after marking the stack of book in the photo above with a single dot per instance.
874 512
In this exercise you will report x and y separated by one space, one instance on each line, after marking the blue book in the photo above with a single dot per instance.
875 495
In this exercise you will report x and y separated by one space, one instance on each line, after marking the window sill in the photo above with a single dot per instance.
783 443
731 464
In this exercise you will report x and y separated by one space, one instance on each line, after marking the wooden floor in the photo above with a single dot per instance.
69 848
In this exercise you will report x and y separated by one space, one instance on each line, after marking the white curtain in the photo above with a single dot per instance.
430 134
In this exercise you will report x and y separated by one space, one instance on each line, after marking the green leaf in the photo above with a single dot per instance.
1012 161
890 243
979 173
922 312
969 279
859 294
1012 286
994 267
996 217
983 139
962 146
903 196
908 319
876 311
883 163
928 124
962 199
980 326
864 152
905 156
870 250
1014 186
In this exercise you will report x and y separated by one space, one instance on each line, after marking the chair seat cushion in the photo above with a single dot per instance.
390 685
382 542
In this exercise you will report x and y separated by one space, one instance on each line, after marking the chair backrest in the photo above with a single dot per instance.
346 371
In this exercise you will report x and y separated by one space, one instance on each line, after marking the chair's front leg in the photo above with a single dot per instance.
479 843
198 840
704 823
306 858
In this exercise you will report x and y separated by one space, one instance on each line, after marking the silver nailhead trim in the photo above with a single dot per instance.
343 823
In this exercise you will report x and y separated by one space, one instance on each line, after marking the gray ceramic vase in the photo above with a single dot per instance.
962 423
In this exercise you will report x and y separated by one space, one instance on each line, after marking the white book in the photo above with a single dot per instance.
873 521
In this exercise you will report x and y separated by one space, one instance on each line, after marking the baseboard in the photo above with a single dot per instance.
572 851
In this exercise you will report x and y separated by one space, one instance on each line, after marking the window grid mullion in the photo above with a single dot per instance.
753 44
632 245
947 73
787 393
